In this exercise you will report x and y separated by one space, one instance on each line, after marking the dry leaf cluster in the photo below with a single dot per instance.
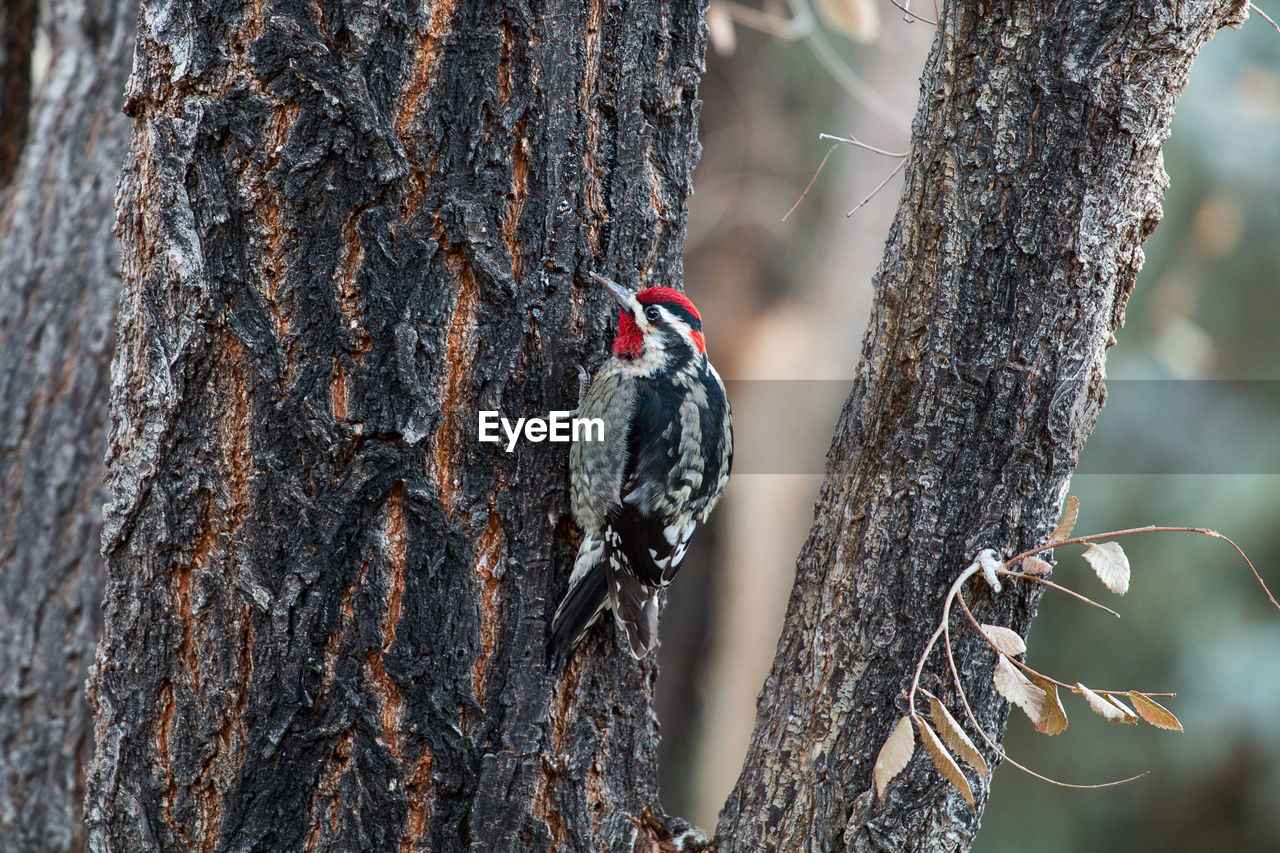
1035 693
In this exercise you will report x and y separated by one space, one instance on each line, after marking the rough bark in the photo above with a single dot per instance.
62 138
347 227
1034 177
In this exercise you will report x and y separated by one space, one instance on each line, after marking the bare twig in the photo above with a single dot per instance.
1052 585
1216 535
879 187
1261 14
1150 528
1022 666
942 628
1093 537
846 140
909 16
849 140
809 186
955 676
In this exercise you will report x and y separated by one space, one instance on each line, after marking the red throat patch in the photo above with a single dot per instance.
628 343
699 341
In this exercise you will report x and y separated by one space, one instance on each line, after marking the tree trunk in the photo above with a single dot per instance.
62 138
1034 177
347 227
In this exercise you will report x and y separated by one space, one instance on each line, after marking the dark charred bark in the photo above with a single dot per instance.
347 227
62 138
1034 177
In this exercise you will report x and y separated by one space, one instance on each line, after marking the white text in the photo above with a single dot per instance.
560 426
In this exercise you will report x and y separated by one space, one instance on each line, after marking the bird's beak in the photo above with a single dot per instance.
619 292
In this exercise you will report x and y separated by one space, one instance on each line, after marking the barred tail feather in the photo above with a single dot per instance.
587 596
635 606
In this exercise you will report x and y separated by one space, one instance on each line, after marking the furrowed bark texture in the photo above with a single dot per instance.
1035 175
62 138
347 227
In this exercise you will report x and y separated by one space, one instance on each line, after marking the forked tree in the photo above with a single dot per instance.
347 227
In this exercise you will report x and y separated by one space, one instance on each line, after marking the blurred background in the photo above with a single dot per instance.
1191 435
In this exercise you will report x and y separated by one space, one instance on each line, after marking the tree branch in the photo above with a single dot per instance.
1027 196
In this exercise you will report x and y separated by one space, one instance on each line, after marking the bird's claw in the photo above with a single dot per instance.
584 382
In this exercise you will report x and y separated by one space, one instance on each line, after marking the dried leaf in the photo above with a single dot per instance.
1036 566
943 761
1153 712
1005 640
1068 522
1129 716
1019 690
1101 706
1055 717
1110 564
894 755
951 733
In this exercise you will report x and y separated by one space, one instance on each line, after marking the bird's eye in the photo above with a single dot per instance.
653 313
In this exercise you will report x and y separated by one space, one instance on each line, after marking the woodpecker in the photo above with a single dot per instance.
664 462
